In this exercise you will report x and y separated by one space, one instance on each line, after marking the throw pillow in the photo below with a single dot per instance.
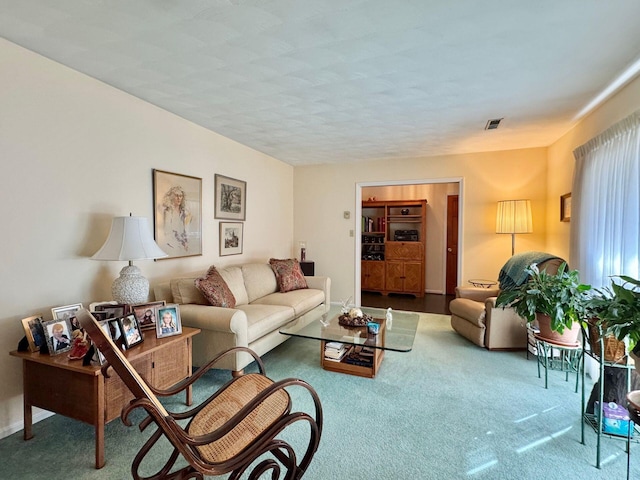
215 289
288 273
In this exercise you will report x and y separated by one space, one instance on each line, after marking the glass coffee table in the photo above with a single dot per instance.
354 350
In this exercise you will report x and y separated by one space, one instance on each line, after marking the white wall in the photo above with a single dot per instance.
75 152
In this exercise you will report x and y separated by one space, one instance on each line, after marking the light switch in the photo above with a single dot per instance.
351 233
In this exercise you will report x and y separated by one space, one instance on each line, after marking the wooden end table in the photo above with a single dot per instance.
60 385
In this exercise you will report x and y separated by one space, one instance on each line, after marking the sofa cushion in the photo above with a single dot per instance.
259 280
233 277
288 274
215 289
184 291
263 319
300 300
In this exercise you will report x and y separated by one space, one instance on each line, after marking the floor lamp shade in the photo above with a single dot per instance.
130 239
514 216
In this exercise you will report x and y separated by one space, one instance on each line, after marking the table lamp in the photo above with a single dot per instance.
514 216
130 239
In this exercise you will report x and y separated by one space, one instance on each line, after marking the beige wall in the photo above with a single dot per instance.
74 153
323 192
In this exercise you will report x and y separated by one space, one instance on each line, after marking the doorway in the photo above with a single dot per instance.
441 269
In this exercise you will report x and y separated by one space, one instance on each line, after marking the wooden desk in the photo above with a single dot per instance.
60 385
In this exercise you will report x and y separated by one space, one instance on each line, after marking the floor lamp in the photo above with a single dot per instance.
514 216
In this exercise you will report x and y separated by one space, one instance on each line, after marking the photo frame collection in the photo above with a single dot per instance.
124 324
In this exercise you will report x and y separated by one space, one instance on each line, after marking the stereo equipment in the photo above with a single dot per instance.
406 236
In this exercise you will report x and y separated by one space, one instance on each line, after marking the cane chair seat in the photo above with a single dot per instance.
226 405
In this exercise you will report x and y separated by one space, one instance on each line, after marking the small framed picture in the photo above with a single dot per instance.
146 313
113 310
231 238
231 198
565 207
100 315
68 312
169 322
98 356
114 331
58 335
34 332
130 330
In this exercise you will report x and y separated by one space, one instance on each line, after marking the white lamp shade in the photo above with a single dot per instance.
129 239
514 216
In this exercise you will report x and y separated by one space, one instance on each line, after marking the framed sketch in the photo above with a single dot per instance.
130 330
177 213
231 198
231 238
169 322
147 313
565 207
34 332
68 312
112 310
58 335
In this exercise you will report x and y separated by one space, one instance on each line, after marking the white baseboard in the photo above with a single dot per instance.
437 292
38 415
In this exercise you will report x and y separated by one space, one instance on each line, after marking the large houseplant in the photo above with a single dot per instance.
556 301
617 309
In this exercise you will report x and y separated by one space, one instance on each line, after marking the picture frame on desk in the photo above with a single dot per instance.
131 333
58 335
67 312
113 310
169 322
34 332
98 356
147 313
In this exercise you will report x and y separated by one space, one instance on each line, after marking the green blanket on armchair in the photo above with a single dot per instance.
513 273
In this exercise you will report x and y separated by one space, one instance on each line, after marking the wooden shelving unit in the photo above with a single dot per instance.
393 246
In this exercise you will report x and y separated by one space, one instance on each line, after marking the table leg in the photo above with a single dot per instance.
99 418
28 411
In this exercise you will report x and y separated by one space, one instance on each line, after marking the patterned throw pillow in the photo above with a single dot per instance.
288 274
215 289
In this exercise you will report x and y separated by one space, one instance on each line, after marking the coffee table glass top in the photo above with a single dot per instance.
398 335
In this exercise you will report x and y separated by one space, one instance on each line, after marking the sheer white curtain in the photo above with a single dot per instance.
605 216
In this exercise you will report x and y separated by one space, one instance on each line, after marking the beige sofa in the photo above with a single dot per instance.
254 322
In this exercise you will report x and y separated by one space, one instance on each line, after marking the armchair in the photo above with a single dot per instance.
474 314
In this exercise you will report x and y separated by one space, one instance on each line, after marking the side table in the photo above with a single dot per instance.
60 385
308 268
483 283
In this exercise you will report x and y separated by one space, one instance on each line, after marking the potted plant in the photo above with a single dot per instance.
556 301
617 310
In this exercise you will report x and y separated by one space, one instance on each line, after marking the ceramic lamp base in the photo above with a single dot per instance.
130 286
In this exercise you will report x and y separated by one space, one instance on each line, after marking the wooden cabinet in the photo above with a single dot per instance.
393 238
372 275
66 387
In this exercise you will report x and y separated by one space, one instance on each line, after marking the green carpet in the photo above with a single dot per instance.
446 410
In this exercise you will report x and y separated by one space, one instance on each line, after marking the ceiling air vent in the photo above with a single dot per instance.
493 124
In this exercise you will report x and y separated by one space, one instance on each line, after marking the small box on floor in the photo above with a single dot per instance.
615 419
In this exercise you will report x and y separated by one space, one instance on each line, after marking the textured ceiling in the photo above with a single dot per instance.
346 80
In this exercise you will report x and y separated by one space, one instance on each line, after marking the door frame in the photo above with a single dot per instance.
392 183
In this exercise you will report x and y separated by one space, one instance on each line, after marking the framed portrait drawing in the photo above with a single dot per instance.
177 213
565 207
34 332
169 322
131 334
231 238
231 198
67 312
147 313
58 335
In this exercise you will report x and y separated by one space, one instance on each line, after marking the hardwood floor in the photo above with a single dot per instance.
430 303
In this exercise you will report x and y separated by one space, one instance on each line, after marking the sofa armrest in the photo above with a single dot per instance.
478 294
217 319
321 283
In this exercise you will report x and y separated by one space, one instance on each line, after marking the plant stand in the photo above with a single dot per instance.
567 360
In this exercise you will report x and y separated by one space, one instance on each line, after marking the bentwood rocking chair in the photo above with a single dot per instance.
233 431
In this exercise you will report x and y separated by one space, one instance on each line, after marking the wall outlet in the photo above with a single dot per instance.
347 215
